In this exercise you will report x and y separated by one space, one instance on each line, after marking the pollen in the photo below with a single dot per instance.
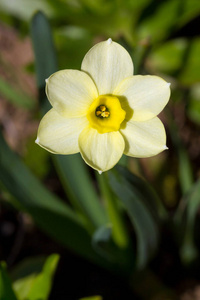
102 111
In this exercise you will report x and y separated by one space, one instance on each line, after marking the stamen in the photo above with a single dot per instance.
102 111
98 112
105 114
102 107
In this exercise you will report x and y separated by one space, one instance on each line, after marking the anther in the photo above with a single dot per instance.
102 111
98 112
105 114
102 107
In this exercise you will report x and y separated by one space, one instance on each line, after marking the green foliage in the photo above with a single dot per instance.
184 168
186 217
42 283
72 43
119 231
105 246
49 212
135 203
159 19
36 159
77 183
92 298
194 104
190 73
6 291
162 60
32 286
45 55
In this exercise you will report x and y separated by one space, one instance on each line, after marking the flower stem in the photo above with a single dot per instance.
119 231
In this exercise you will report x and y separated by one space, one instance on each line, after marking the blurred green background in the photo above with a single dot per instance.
134 232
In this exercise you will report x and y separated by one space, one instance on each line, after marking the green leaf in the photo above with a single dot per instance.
178 57
49 213
23 285
45 54
190 73
185 219
6 291
193 110
162 18
14 96
114 211
190 10
24 273
184 166
41 286
73 43
71 169
169 57
78 184
159 19
135 195
92 298
33 277
103 243
36 159
28 266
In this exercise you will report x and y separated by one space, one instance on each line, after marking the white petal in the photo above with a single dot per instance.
58 134
108 63
146 95
71 92
144 139
101 151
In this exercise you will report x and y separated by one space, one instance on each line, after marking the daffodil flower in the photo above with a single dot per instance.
104 110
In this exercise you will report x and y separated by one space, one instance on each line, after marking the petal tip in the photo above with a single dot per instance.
100 172
109 41
37 140
46 80
165 147
168 84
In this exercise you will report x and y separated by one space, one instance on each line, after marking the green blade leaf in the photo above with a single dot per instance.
77 182
45 54
6 291
71 169
41 286
134 195
190 74
24 273
33 277
162 59
23 286
92 298
103 243
184 166
185 220
119 230
49 213
155 24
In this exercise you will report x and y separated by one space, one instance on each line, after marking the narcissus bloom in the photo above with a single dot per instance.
103 110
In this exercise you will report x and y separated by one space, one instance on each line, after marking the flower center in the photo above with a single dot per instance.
102 111
106 114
